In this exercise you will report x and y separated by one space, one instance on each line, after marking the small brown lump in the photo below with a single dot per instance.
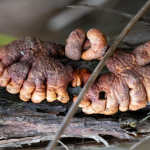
88 47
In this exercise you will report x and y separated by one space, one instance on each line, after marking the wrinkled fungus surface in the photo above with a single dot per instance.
29 66
127 86
32 68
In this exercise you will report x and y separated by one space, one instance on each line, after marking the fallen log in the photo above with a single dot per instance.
26 123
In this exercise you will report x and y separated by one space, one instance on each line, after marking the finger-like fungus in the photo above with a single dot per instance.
126 87
29 66
73 49
94 47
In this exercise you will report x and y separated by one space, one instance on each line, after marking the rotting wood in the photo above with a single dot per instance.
22 125
27 123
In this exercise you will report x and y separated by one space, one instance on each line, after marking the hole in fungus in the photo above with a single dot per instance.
102 95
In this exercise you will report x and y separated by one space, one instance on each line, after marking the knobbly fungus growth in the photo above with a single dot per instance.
93 45
31 67
127 86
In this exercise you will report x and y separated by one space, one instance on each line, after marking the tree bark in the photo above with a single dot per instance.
26 123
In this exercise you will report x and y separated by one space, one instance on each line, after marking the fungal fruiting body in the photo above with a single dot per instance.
32 67
88 47
127 86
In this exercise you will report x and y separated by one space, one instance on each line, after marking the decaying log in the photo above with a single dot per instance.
21 124
26 123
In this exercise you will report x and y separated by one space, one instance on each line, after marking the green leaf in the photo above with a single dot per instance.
5 39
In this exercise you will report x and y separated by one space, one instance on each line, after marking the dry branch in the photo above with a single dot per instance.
144 20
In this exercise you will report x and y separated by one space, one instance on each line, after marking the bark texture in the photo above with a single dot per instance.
26 122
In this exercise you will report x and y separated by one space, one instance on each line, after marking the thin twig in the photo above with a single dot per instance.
63 145
144 20
139 143
144 119
99 139
95 73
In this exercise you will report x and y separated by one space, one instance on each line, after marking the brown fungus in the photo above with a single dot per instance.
29 66
98 45
126 87
73 49
91 47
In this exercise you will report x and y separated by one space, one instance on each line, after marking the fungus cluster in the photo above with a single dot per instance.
127 86
88 47
32 68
